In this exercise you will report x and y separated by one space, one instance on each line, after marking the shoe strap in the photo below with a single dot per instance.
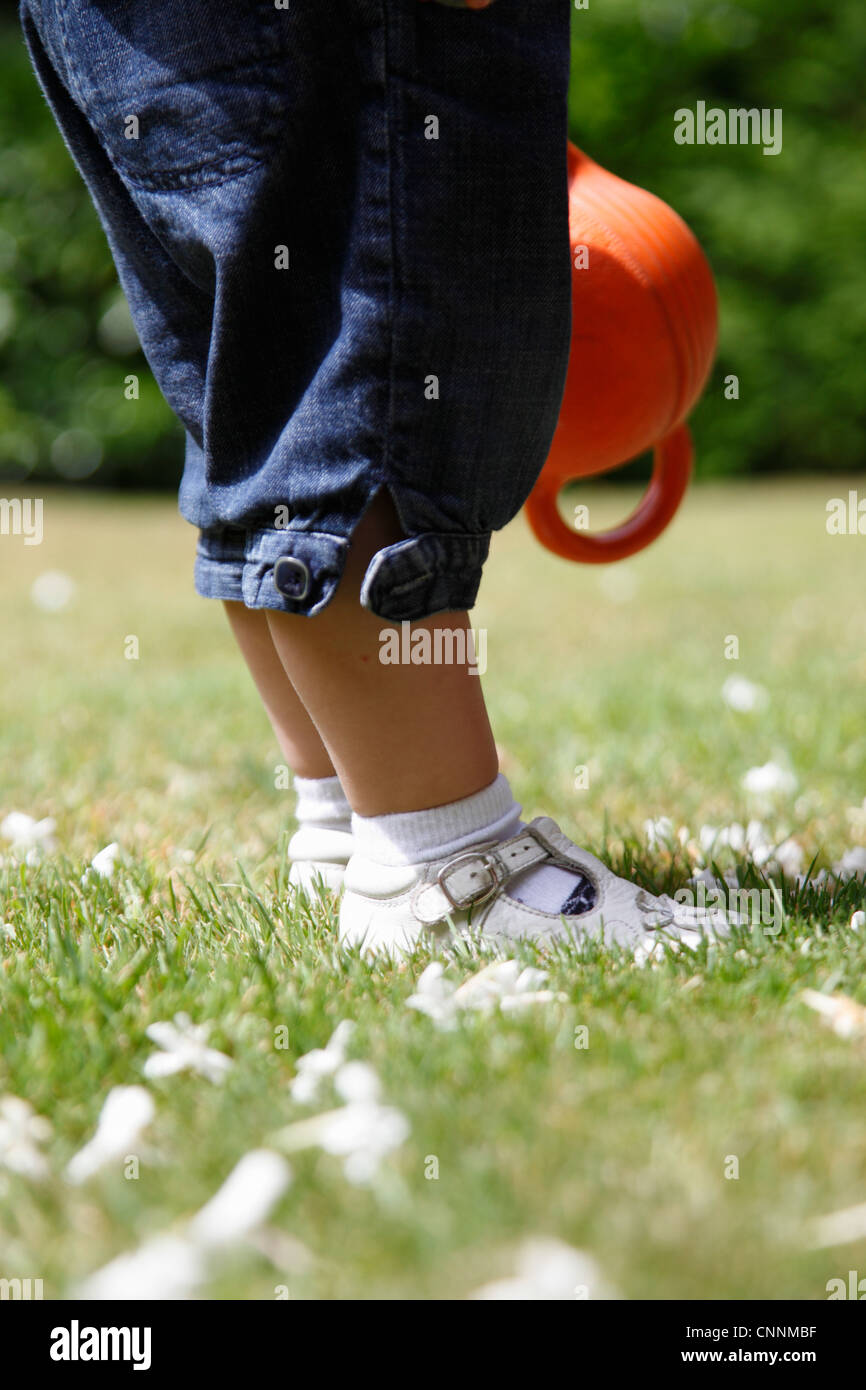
478 874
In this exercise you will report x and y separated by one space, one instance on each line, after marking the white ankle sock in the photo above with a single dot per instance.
413 837
322 804
416 837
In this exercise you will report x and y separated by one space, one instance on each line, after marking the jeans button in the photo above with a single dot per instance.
292 577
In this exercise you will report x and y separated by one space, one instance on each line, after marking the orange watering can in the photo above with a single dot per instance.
644 334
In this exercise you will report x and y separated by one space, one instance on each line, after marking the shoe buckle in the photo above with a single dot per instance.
489 861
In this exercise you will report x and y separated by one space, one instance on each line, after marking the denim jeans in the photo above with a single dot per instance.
342 229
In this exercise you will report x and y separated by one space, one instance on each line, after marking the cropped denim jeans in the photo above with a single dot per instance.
342 229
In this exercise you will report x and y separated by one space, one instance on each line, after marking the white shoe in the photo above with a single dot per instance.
388 908
319 857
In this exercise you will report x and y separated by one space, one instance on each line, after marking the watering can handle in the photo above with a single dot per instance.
672 468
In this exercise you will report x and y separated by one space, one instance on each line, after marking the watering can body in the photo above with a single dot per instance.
644 332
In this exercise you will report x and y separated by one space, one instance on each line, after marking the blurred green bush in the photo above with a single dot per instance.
784 234
66 337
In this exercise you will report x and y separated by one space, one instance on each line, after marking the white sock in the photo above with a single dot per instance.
416 837
322 804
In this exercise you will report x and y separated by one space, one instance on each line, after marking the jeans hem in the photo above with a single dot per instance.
294 571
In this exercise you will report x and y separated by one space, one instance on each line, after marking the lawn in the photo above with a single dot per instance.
612 1118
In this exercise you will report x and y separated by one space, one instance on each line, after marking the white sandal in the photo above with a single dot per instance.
387 908
319 857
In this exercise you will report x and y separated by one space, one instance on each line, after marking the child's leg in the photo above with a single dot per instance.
401 737
296 733
322 844
405 737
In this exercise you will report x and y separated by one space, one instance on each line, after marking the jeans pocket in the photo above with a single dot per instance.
180 92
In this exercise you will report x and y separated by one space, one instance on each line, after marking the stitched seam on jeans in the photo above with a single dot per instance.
192 176
410 584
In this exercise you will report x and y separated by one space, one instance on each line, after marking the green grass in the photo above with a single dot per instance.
619 1148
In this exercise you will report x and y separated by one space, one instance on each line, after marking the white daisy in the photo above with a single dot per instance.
52 591
127 1111
362 1132
165 1267
29 838
241 1205
184 1049
103 864
852 864
743 695
769 780
21 1133
317 1066
502 985
549 1271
